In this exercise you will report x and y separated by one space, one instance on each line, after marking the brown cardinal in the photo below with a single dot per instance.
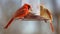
46 14
20 13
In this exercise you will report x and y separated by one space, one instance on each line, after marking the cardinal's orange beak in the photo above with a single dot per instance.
30 9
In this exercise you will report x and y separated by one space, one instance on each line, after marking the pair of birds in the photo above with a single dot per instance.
25 10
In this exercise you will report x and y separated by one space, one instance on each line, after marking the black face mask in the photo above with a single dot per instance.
28 7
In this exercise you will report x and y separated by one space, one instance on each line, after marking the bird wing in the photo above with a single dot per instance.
21 13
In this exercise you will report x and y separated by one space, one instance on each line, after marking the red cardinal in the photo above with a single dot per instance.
20 13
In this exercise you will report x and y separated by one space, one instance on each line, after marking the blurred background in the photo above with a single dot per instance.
8 7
